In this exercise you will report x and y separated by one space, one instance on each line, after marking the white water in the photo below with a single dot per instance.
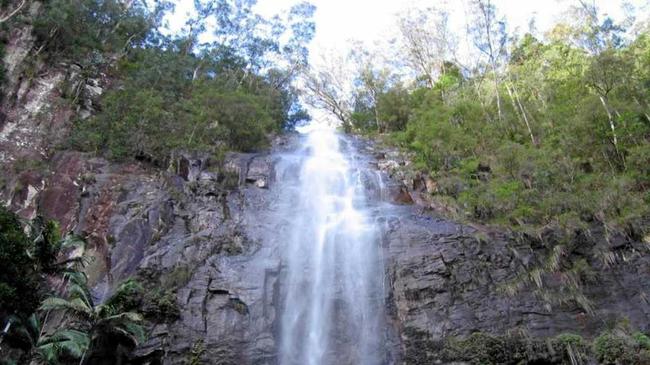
332 274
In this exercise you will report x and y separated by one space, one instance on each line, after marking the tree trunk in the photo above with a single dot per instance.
523 112
496 91
11 14
612 126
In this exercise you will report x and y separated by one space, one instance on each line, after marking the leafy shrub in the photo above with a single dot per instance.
154 303
19 279
161 304
614 348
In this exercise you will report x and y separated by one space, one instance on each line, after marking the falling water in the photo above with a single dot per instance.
333 273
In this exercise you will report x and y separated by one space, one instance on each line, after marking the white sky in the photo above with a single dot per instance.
371 21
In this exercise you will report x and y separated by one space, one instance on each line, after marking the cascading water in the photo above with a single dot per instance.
333 272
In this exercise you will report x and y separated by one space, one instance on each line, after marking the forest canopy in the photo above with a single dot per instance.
174 92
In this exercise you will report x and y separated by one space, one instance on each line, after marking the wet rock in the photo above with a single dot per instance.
399 194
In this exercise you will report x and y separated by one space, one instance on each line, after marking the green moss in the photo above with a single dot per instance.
570 348
161 305
156 304
483 349
178 277
195 355
127 296
239 306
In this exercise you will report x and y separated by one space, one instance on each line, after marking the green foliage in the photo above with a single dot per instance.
127 296
486 349
19 279
198 349
96 327
173 94
90 31
66 343
563 155
480 348
154 303
611 348
161 304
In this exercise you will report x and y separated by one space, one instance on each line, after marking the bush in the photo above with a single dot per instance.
161 304
154 303
614 348
481 348
19 279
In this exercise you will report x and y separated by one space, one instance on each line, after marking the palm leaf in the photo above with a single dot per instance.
133 332
126 325
81 293
75 305
28 328
73 240
126 317
72 342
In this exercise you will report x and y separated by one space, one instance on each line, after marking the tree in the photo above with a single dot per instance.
370 84
104 30
176 93
489 35
328 89
19 278
606 73
428 42
101 328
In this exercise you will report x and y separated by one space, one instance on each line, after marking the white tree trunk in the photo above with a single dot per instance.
11 14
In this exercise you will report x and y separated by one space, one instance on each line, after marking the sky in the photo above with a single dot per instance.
372 21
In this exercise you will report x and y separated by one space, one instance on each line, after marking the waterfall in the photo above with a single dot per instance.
333 295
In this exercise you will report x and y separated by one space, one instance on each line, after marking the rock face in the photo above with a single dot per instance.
203 242
446 283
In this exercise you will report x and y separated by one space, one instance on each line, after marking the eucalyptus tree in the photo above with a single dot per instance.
328 87
488 33
427 41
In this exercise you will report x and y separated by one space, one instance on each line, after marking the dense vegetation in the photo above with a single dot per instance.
178 92
619 345
558 133
546 136
31 263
